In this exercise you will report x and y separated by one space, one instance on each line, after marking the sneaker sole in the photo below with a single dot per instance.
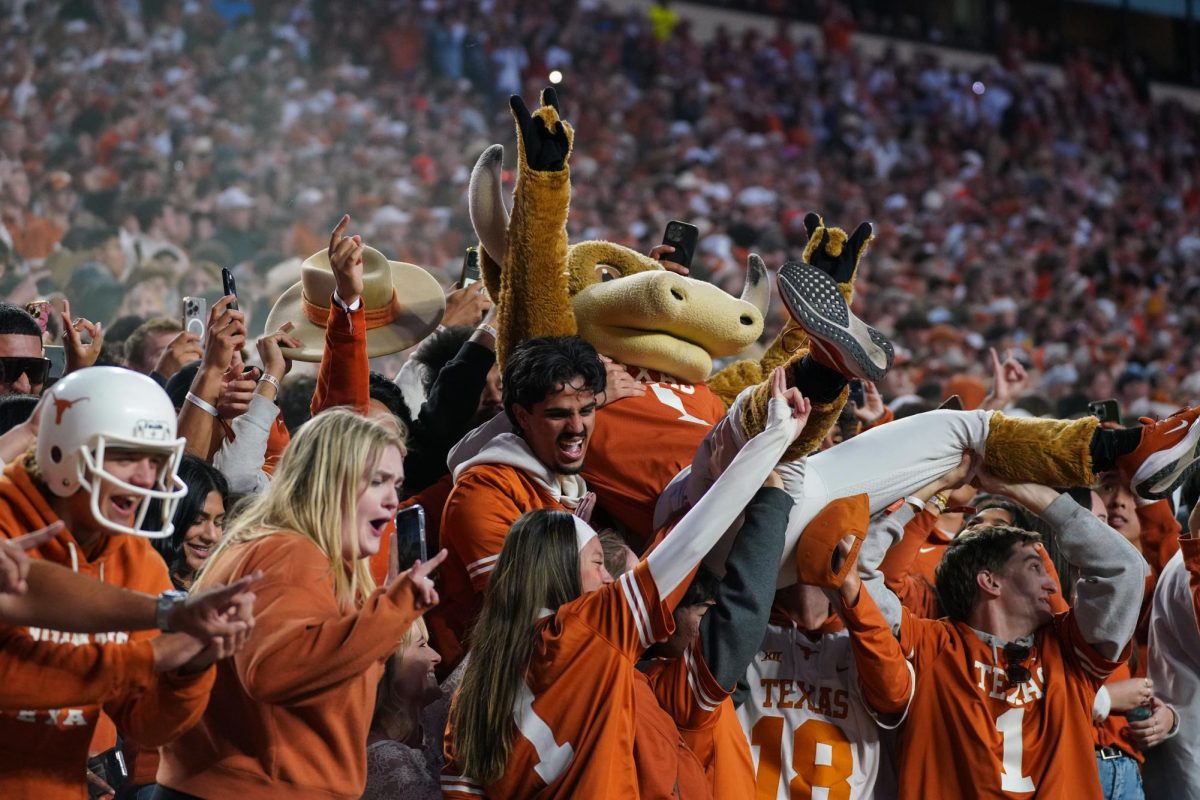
1163 471
816 304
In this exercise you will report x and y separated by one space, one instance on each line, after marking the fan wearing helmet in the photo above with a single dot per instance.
107 445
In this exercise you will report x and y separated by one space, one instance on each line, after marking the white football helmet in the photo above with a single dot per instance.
102 408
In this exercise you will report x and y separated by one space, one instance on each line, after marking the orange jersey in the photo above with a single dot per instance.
706 720
486 500
575 715
970 734
42 752
641 443
666 766
807 718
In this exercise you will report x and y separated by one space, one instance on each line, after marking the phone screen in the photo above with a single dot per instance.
470 268
410 536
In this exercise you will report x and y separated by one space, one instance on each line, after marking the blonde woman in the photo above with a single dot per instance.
404 748
290 716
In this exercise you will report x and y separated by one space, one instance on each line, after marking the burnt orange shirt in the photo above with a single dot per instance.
641 443
970 734
576 718
707 722
42 752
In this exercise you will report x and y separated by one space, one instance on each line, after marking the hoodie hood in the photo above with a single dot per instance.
512 451
29 507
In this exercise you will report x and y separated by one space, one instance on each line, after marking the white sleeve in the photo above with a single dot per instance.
241 460
702 527
1102 705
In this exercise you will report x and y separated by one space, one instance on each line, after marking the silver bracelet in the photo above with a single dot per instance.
271 379
203 405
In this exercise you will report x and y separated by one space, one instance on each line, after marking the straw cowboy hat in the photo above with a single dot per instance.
403 303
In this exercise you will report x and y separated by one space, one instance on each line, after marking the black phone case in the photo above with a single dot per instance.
683 237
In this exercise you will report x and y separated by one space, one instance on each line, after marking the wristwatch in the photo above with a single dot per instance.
168 601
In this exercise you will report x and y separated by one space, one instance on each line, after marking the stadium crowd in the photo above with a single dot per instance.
408 530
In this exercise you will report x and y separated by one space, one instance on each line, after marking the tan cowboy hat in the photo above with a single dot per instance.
403 303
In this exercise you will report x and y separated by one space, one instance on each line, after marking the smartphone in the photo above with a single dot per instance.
858 395
410 536
1105 410
58 360
109 767
683 237
195 315
229 287
470 268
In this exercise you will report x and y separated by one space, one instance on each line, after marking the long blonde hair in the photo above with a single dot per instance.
315 491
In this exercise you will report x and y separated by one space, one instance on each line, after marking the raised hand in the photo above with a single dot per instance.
546 147
426 595
586 505
872 408
269 350
226 334
346 260
466 306
794 407
80 354
659 250
180 351
1009 379
829 249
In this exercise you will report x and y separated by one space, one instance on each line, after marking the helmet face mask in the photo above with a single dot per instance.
99 410
168 487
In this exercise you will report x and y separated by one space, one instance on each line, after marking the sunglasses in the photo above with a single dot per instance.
13 367
1015 671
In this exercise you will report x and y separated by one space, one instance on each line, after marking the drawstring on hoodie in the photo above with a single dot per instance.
74 557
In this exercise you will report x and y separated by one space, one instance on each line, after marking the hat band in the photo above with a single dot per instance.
372 317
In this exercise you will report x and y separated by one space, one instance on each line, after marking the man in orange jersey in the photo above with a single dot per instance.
827 677
106 445
552 386
1005 687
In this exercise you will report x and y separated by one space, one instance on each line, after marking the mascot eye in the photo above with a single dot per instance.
606 273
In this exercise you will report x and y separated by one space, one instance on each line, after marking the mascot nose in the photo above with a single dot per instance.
673 294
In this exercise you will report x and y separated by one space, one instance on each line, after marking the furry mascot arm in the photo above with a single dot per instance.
834 252
531 289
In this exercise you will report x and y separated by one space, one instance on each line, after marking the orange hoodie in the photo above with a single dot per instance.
290 713
43 753
71 674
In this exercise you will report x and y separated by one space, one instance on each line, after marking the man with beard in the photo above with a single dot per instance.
552 386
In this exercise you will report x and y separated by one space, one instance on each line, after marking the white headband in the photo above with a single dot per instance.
584 533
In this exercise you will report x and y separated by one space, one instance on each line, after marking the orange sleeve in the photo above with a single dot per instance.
884 675
344 376
627 613
1160 533
1191 559
1088 664
479 512
44 675
887 416
686 689
912 592
277 441
172 706
921 640
303 643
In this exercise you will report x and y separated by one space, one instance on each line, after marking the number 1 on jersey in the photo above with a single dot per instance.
1009 726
